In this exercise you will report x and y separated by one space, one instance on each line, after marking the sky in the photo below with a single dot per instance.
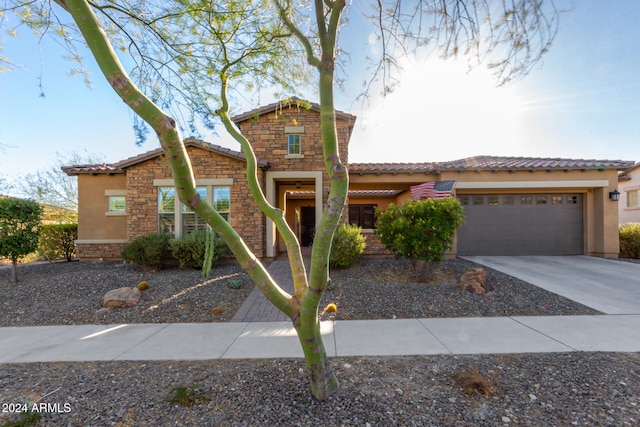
581 101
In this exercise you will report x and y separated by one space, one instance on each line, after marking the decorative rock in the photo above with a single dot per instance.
122 297
474 281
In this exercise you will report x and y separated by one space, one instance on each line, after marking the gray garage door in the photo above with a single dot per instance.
521 224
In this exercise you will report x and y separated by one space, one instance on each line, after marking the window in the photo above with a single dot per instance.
363 216
541 200
222 201
190 221
295 144
493 201
478 200
117 204
556 200
166 211
632 199
178 222
572 200
464 200
507 200
526 200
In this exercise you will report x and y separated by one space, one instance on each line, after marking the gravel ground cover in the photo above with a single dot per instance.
71 294
561 389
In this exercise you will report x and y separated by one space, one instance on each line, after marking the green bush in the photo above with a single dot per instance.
149 250
190 250
420 230
630 240
57 241
348 245
19 230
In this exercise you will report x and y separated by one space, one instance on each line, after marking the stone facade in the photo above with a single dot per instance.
99 251
142 194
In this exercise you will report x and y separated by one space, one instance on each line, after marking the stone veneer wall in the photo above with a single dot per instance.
96 251
374 245
270 141
142 195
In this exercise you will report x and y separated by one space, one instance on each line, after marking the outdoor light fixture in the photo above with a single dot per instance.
614 195
298 184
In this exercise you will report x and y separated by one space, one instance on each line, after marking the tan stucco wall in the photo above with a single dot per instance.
629 214
94 221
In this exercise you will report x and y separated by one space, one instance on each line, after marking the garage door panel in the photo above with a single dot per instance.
517 224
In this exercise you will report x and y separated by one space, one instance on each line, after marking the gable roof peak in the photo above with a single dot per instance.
292 102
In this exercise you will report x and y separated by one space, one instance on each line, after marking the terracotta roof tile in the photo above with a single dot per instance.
492 163
119 167
294 101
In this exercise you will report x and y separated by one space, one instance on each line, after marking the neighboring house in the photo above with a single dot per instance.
629 187
513 206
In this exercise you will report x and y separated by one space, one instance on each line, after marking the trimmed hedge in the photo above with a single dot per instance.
58 241
190 250
347 247
149 250
630 240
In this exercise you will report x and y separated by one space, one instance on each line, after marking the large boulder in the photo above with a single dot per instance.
474 281
121 297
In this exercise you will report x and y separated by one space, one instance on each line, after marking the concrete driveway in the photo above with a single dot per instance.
609 286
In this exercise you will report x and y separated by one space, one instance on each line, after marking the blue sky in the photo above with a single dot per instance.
582 101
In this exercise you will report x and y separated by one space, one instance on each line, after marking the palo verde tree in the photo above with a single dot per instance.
191 56
19 230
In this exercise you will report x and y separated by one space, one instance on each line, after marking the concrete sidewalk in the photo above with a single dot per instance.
189 341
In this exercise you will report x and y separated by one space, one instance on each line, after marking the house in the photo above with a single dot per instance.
629 186
513 205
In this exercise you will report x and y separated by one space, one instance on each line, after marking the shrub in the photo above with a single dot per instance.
420 229
57 241
19 230
191 250
630 240
149 250
347 247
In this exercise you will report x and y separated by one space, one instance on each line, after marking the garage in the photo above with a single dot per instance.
521 224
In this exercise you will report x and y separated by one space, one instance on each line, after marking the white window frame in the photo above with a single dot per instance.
113 195
293 131
210 184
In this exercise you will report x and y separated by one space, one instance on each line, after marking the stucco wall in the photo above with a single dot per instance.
626 213
94 219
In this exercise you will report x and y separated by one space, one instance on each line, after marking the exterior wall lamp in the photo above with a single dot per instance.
614 195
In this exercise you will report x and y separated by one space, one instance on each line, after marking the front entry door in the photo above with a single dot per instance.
307 225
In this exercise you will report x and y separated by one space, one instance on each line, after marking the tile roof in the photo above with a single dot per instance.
119 167
291 102
491 163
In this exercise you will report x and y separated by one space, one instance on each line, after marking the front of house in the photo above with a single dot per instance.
513 205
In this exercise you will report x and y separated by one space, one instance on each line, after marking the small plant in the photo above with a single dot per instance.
187 396
473 382
58 241
216 311
149 250
143 286
347 247
630 240
25 419
235 284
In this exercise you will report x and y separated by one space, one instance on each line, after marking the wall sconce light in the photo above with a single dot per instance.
298 184
614 195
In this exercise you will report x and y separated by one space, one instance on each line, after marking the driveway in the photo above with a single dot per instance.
609 286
